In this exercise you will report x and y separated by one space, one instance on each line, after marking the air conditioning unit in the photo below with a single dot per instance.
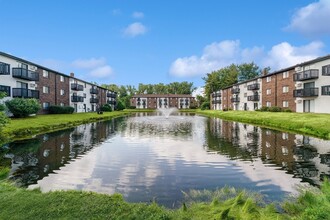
298 68
299 101
32 85
33 68
298 85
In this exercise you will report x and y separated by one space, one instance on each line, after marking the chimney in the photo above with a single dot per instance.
71 74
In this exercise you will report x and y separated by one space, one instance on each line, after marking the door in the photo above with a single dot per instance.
245 106
307 105
75 107
255 106
85 107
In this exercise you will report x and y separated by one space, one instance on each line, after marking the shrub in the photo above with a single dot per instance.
2 107
275 109
106 108
264 109
120 106
205 105
132 107
55 109
287 110
21 107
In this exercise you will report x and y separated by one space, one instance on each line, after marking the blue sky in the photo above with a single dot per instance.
127 42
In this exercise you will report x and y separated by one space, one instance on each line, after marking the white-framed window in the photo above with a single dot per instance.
268 79
61 104
45 105
45 89
285 89
62 91
286 74
285 136
268 91
285 150
285 104
268 104
62 78
45 73
268 144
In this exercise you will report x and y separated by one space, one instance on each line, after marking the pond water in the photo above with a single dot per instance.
154 158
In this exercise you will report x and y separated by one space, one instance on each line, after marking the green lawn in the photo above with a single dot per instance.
305 123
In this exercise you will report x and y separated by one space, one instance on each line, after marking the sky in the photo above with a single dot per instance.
127 42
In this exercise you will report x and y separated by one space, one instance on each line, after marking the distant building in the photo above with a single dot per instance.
154 101
24 79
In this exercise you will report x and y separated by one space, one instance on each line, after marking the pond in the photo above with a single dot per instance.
149 157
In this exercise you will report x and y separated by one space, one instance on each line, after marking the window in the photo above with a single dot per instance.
45 105
4 69
268 79
285 150
5 89
268 144
325 90
62 78
285 104
45 74
286 75
62 91
285 136
245 94
61 104
268 91
84 95
268 104
24 66
45 89
326 70
285 89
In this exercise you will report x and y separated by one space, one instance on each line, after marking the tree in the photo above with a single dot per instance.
3 118
200 100
248 71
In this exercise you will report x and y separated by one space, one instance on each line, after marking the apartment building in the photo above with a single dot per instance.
304 87
216 100
24 79
154 101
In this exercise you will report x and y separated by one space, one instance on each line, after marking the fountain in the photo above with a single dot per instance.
167 111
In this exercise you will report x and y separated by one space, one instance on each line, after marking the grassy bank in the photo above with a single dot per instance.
17 203
305 123
26 127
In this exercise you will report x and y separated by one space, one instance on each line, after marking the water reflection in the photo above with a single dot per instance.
149 157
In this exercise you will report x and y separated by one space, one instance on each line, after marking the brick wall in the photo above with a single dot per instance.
286 96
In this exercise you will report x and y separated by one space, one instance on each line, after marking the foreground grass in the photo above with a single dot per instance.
17 203
25 127
305 123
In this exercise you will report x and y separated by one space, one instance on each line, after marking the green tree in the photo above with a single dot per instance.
200 100
248 71
3 118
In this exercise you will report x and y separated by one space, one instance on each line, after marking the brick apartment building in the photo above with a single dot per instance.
154 101
304 87
24 79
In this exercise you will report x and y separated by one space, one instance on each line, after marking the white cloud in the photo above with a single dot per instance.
312 19
88 63
135 29
224 53
101 72
138 15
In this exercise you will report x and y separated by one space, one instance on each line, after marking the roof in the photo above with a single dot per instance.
45 68
162 96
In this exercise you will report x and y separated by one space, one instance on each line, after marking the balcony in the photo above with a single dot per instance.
253 86
217 94
235 90
254 98
236 99
76 98
25 74
306 75
216 102
4 69
111 102
25 93
94 91
77 87
5 89
111 95
94 100
308 92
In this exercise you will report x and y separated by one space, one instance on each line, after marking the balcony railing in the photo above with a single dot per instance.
94 100
4 69
216 102
308 92
94 91
5 89
214 95
236 99
235 90
76 98
25 74
25 93
77 87
306 75
111 95
253 86
111 102
254 98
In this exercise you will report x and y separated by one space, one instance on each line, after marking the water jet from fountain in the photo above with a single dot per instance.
167 111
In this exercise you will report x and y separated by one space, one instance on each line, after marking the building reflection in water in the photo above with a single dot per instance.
304 157
35 158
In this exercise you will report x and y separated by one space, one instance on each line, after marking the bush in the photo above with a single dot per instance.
120 106
21 107
55 109
205 105
287 110
2 107
132 107
264 109
106 108
275 109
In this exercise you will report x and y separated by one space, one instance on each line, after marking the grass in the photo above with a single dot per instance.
304 123
27 127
